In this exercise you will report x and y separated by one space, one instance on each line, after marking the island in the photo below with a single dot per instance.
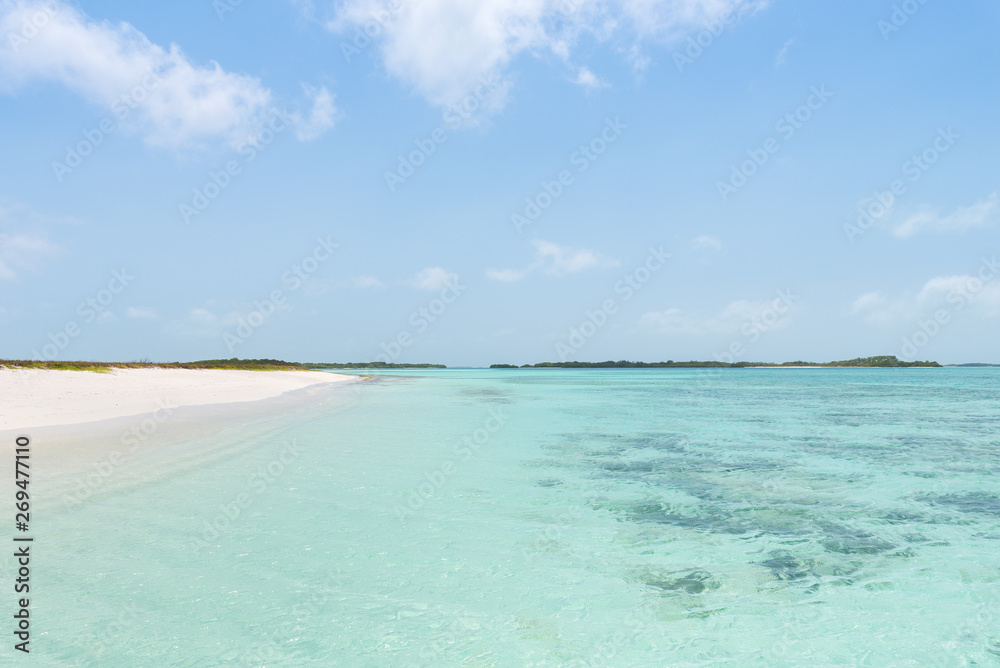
879 361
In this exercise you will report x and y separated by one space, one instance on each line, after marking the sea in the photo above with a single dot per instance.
533 517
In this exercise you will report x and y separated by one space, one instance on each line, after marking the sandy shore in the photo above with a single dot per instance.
32 398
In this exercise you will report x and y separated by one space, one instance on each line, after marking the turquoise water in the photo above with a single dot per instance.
786 517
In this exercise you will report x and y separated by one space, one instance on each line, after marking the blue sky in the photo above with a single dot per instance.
499 181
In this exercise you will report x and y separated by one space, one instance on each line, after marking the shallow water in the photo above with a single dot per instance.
752 517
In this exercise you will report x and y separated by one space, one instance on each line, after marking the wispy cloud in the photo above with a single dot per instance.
554 260
705 241
141 313
780 60
25 243
981 214
433 278
729 320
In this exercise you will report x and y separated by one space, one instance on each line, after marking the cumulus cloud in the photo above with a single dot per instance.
554 260
980 214
978 293
445 48
171 101
433 278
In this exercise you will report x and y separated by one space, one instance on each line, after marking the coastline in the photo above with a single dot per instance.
42 398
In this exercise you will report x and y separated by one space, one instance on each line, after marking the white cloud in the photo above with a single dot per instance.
783 54
141 313
444 48
507 275
322 116
24 242
980 214
156 91
588 79
979 294
705 241
763 315
867 302
433 278
562 260
554 260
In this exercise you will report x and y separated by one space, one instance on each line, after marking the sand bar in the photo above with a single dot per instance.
32 398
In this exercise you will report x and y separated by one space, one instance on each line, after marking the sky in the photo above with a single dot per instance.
501 181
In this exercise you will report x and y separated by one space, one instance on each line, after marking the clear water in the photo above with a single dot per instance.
615 518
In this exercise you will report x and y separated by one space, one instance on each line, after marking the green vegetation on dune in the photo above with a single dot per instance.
865 362
233 364
106 367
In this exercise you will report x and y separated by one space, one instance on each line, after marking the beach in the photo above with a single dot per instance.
32 398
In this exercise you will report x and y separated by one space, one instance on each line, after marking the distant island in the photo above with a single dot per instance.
373 365
237 364
973 364
879 361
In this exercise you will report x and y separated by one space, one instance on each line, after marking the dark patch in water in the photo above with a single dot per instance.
749 465
549 482
786 566
847 541
973 502
712 522
903 517
915 538
629 467
692 582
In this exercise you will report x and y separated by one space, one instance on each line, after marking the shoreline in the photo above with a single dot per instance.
40 398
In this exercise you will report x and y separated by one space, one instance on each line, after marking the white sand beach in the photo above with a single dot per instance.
31 398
